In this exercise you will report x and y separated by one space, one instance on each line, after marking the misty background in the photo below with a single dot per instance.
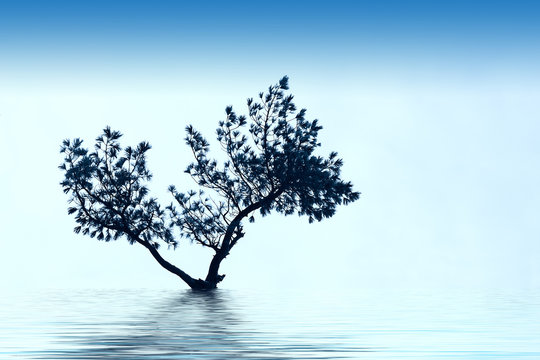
433 107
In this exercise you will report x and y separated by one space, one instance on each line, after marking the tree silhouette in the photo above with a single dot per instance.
271 166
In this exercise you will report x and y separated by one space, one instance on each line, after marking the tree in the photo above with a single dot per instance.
271 166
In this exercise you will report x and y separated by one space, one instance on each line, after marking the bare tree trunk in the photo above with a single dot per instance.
197 284
213 277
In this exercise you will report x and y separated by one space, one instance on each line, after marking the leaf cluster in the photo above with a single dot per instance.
109 196
271 166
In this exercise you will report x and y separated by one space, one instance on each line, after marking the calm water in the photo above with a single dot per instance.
228 324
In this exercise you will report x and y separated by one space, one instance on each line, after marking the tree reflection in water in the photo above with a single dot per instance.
193 324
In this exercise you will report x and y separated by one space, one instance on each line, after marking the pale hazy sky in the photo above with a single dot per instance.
434 108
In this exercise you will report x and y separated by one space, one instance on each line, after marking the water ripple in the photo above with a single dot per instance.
246 325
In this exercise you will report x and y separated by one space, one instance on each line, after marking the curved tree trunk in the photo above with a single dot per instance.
196 284
213 277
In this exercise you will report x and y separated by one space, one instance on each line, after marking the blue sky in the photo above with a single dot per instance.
434 107
59 33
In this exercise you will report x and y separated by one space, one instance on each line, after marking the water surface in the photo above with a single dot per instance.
233 324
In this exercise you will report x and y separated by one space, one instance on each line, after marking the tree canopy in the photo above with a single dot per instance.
271 166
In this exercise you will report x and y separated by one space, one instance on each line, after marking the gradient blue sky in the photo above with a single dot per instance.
434 107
